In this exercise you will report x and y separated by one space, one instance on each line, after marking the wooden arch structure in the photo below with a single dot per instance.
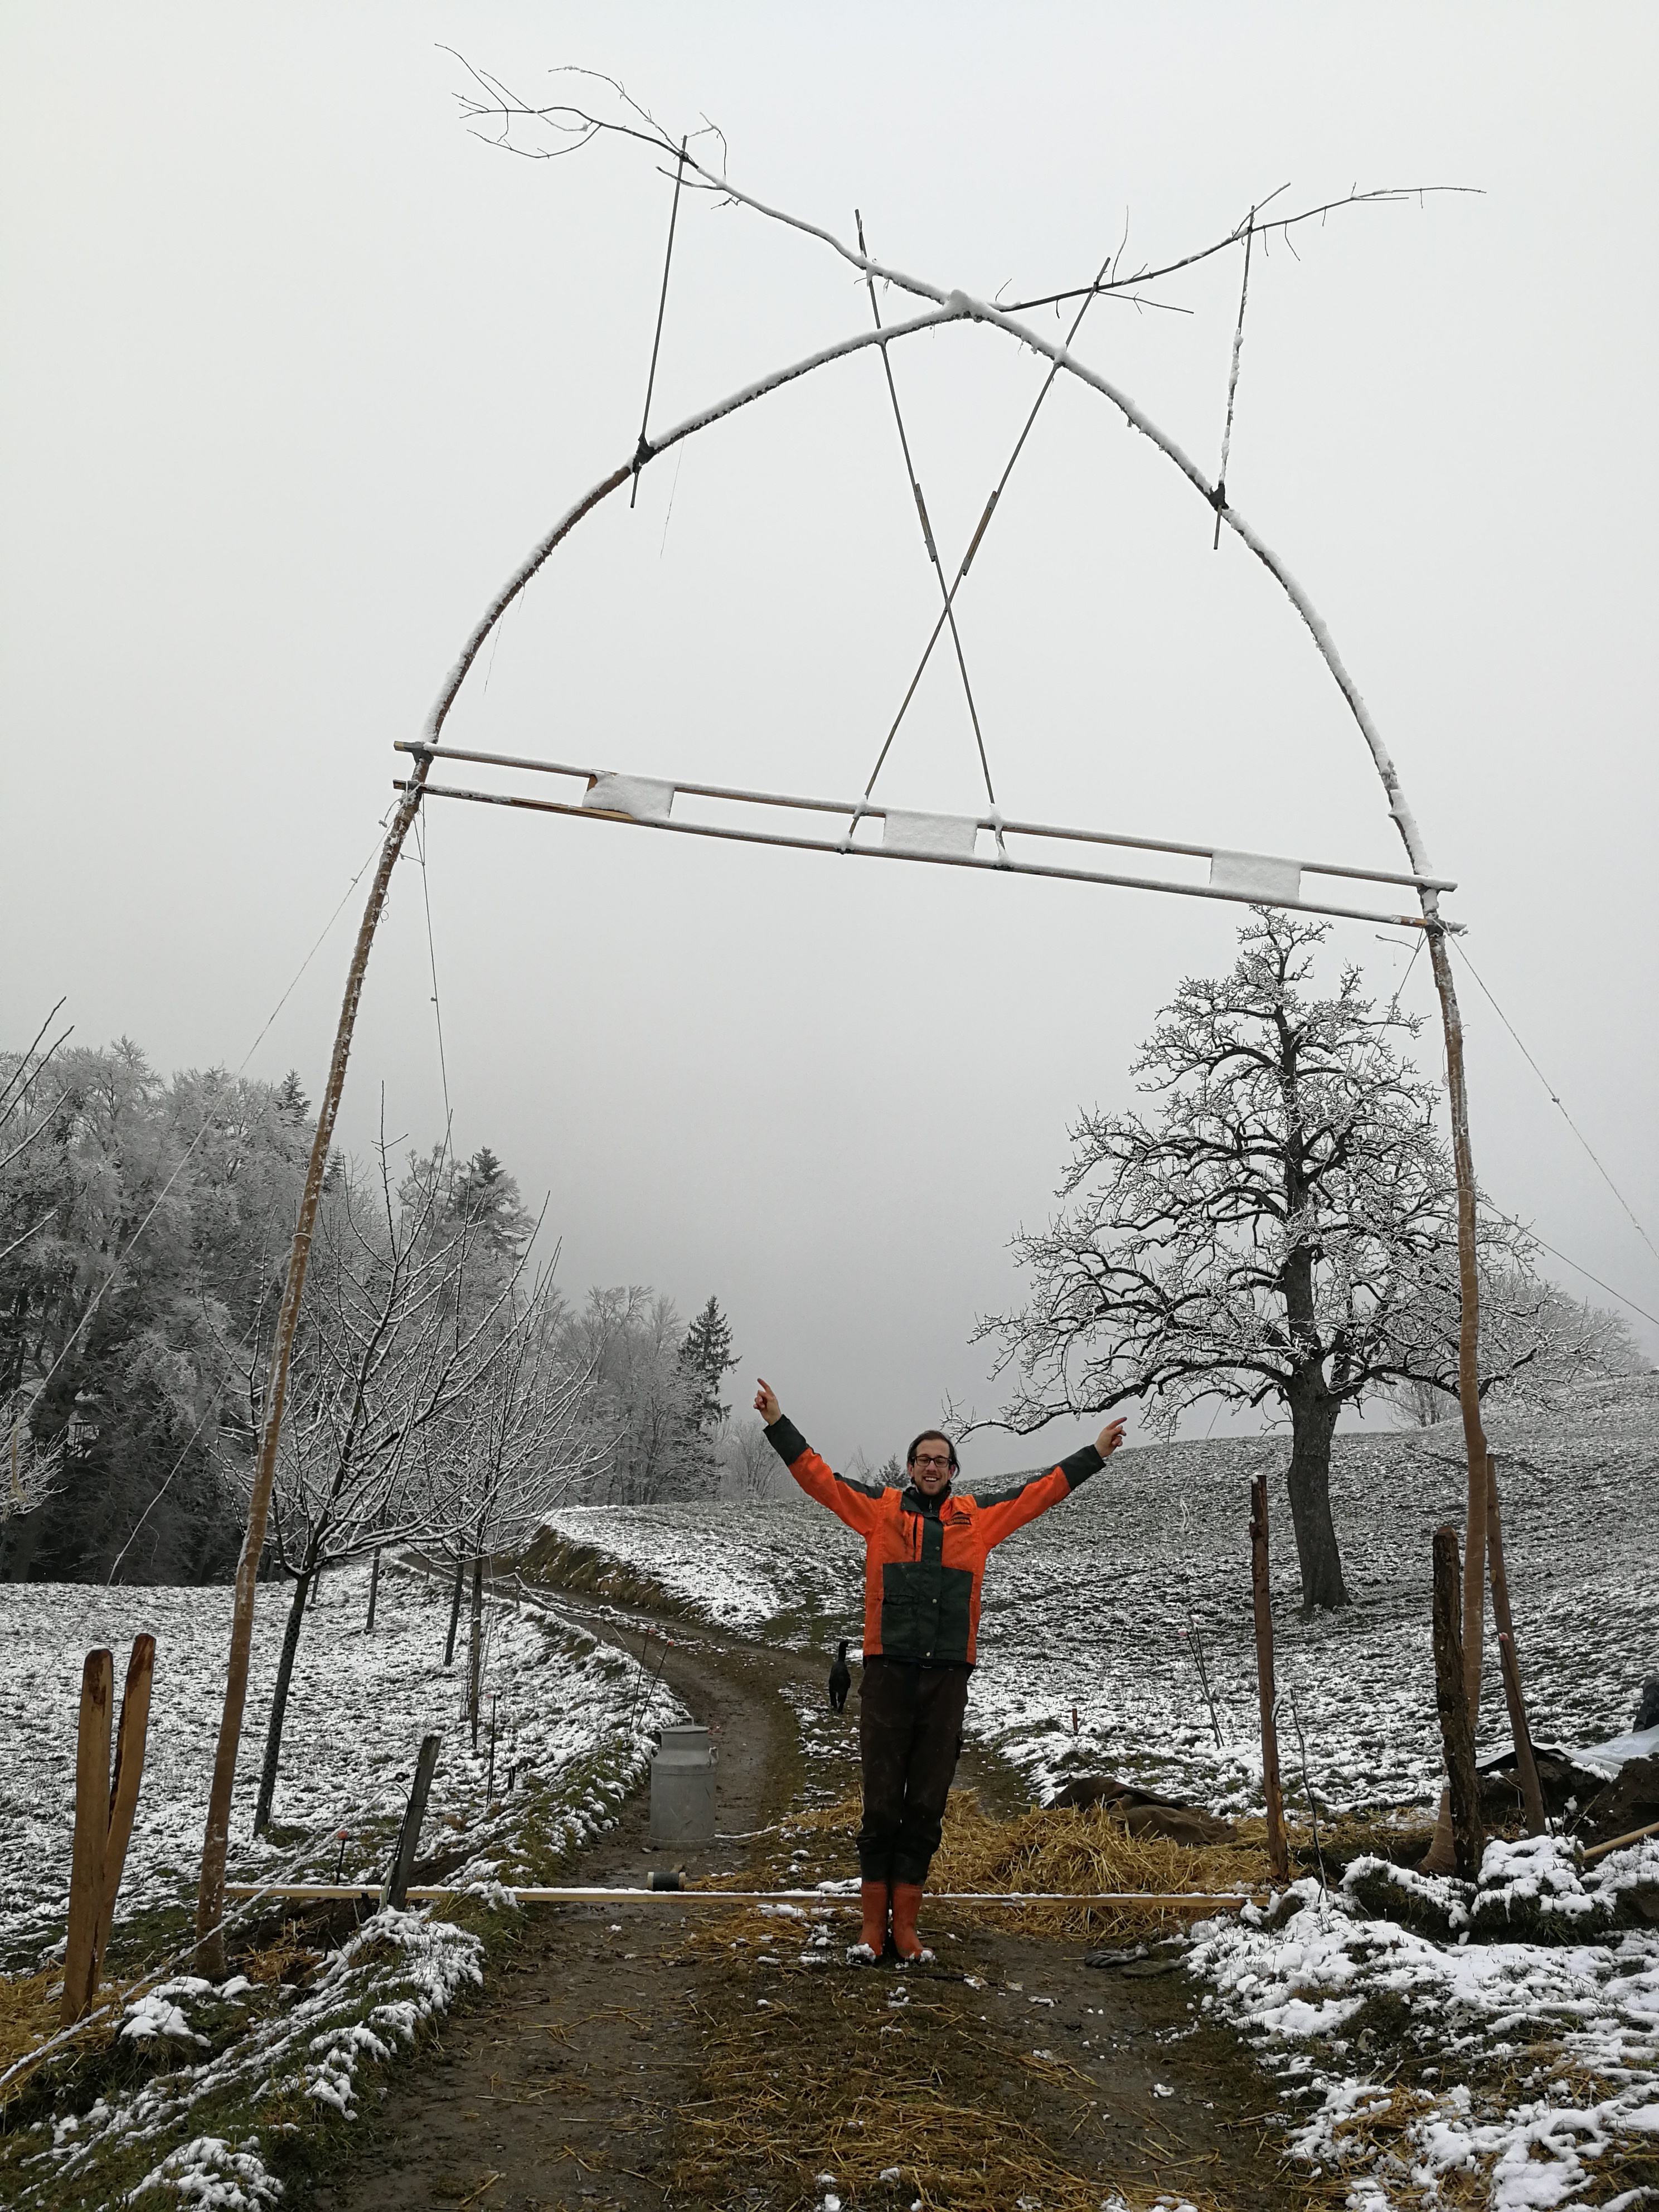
1255 879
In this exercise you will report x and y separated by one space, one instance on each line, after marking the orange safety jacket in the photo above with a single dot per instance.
924 1558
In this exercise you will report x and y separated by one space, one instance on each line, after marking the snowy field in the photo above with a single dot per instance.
1093 1605
573 1717
1530 2069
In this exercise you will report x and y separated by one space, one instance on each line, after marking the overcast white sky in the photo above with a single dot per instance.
296 370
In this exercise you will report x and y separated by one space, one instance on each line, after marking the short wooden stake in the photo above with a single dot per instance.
91 1832
396 1892
1451 1697
374 1592
1278 1850
103 1813
129 1740
1525 1766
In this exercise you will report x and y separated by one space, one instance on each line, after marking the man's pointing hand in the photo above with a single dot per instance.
1105 1443
766 1406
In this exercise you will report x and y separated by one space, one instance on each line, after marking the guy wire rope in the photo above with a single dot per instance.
927 539
947 306
984 524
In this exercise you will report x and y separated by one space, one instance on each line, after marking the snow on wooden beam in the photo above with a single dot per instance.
1257 876
641 797
929 836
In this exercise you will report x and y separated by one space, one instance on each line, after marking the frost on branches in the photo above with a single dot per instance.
1280 1227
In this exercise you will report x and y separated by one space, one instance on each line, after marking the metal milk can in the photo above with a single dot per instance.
683 1787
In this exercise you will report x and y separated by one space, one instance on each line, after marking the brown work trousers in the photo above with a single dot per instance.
910 1736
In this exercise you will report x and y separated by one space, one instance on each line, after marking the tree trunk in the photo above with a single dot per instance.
279 1699
1313 1423
475 1672
455 1608
374 1592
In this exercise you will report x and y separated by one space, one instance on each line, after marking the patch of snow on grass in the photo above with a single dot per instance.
574 1721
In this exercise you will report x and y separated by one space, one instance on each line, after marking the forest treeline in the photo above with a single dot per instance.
144 1233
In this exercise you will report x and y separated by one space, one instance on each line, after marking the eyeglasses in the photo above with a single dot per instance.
930 1459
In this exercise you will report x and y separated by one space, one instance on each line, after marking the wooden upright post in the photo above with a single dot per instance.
103 1813
91 1832
1451 1697
395 1892
130 1741
1277 1849
1525 1766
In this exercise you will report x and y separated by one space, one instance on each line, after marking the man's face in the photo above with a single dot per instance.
930 1470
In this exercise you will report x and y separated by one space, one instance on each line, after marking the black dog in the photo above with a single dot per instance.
841 1679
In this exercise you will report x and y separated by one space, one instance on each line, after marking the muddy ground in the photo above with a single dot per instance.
668 2054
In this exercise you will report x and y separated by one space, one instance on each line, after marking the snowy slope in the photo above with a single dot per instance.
359 1708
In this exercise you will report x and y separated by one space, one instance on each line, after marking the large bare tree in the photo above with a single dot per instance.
1281 1229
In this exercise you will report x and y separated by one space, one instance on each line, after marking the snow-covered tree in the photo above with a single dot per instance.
531 1436
1547 1344
749 1462
143 1225
1281 1229
653 1399
391 1345
708 1356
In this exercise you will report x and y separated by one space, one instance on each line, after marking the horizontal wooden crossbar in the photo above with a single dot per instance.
325 1893
1243 878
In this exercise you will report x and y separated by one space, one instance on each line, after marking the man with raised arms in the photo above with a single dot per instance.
926 1546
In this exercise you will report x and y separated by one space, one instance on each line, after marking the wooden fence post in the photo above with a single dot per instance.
91 1832
130 1741
1277 1849
395 1892
1525 1766
1451 1697
103 1813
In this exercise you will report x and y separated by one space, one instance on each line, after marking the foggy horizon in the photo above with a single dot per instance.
300 368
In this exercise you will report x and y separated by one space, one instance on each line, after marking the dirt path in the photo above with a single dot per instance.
674 2055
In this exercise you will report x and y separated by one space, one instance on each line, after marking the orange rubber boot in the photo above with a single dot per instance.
907 1903
872 1896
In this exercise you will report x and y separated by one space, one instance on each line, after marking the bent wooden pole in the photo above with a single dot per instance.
948 307
215 1842
91 1831
1277 1849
